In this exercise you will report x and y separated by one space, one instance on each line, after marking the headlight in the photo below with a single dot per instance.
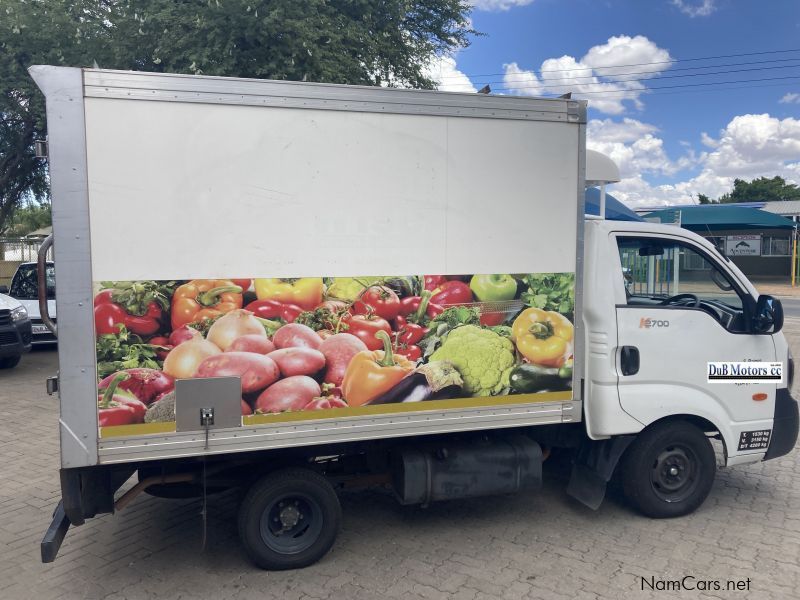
19 314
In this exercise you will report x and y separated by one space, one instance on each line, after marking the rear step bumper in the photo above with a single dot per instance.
55 534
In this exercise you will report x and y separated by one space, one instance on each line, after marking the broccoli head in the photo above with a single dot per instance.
483 358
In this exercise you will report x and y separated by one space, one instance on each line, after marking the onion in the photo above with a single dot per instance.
183 360
234 325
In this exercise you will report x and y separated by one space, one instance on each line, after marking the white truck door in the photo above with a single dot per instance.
683 311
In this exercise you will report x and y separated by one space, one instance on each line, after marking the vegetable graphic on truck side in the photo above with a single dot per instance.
356 294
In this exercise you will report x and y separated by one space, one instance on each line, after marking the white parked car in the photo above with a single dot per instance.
15 332
25 288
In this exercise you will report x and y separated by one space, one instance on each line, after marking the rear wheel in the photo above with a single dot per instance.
289 519
9 362
668 471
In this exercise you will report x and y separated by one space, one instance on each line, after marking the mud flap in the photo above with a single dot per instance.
593 467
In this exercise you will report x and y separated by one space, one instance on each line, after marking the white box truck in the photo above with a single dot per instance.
293 287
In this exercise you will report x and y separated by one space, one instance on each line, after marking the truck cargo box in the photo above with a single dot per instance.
182 201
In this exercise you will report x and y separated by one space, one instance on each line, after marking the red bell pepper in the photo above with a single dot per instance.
273 309
119 407
452 292
110 314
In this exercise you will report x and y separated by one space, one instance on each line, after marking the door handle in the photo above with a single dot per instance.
629 360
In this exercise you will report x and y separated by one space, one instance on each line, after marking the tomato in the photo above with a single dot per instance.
364 327
378 299
452 292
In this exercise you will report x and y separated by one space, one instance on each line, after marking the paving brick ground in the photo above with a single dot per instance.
542 546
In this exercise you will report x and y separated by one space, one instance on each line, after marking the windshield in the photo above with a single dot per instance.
25 287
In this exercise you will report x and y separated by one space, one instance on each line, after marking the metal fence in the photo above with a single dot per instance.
649 275
21 249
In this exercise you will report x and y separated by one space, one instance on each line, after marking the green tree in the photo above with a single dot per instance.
703 199
28 218
366 42
761 189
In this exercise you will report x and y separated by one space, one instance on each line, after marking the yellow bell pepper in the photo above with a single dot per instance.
543 337
305 292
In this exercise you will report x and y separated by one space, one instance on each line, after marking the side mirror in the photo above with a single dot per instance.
768 316
3 289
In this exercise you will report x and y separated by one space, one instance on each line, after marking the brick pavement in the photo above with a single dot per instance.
539 546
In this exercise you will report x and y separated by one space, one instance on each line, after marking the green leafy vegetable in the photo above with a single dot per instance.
322 318
124 350
441 325
551 291
135 296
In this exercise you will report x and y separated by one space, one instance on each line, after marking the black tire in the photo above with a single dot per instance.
668 470
289 519
9 362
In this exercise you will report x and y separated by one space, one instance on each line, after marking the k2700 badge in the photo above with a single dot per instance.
648 323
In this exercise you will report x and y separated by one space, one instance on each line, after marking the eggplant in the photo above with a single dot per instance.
405 286
438 380
527 378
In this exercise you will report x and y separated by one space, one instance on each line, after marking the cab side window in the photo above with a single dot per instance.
663 272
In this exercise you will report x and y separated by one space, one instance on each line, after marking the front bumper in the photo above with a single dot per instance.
785 425
15 338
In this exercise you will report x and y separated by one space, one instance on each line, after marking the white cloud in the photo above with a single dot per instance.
444 72
591 74
495 5
694 9
749 146
790 98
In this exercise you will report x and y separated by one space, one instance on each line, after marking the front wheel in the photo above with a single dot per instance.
668 471
289 519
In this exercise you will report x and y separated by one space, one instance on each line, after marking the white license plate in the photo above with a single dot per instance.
39 329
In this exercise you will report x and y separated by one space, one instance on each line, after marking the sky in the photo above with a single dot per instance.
729 70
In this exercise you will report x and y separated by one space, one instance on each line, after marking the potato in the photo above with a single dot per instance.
295 335
251 343
256 370
298 361
339 350
292 393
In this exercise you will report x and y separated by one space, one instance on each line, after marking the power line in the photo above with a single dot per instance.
663 62
659 76
572 79
684 85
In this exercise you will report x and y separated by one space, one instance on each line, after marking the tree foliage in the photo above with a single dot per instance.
366 42
762 189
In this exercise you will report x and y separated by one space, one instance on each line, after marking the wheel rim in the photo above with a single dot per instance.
291 523
674 473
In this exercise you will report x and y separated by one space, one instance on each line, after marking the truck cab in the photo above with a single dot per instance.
661 304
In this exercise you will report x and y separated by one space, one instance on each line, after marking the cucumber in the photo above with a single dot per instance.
527 378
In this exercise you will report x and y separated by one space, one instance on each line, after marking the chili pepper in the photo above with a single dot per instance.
109 315
117 407
366 327
416 308
434 281
410 351
305 292
272 309
452 292
371 373
543 337
204 299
